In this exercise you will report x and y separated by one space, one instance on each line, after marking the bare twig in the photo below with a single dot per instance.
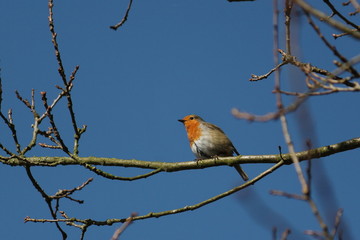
78 132
113 177
7 151
288 139
121 229
65 193
308 68
66 91
53 124
320 15
285 234
279 104
356 6
335 11
272 115
49 134
322 83
266 75
55 101
47 200
55 43
339 214
315 234
287 10
346 65
288 195
308 170
25 101
319 218
298 94
332 48
44 145
9 122
123 20
168 212
60 194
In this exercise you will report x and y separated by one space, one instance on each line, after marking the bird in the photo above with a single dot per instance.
209 141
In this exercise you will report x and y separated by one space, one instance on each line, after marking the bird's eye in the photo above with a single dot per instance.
191 118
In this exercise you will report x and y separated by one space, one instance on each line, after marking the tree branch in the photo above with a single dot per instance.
123 20
88 222
46 198
179 166
322 16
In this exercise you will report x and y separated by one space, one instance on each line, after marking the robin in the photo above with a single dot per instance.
209 141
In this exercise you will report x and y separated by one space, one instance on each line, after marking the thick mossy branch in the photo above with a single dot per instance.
178 166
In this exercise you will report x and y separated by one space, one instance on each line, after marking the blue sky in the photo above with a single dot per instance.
170 59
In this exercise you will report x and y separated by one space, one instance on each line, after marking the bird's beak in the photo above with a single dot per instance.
181 120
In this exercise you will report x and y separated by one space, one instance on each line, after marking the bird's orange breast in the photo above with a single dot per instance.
193 130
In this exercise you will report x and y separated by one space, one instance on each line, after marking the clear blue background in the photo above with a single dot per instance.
170 59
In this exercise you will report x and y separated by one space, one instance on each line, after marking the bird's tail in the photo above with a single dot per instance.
241 172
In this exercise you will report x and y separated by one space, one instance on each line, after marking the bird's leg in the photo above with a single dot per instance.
215 157
197 160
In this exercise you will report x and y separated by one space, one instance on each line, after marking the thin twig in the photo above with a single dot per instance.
346 65
285 234
123 20
298 94
121 229
66 91
339 214
44 145
7 151
287 10
335 11
266 75
288 139
168 212
322 16
55 43
114 177
272 115
47 200
55 101
308 170
279 103
25 101
332 48
77 131
288 195
315 210
65 193
53 124
356 5
314 234
9 122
